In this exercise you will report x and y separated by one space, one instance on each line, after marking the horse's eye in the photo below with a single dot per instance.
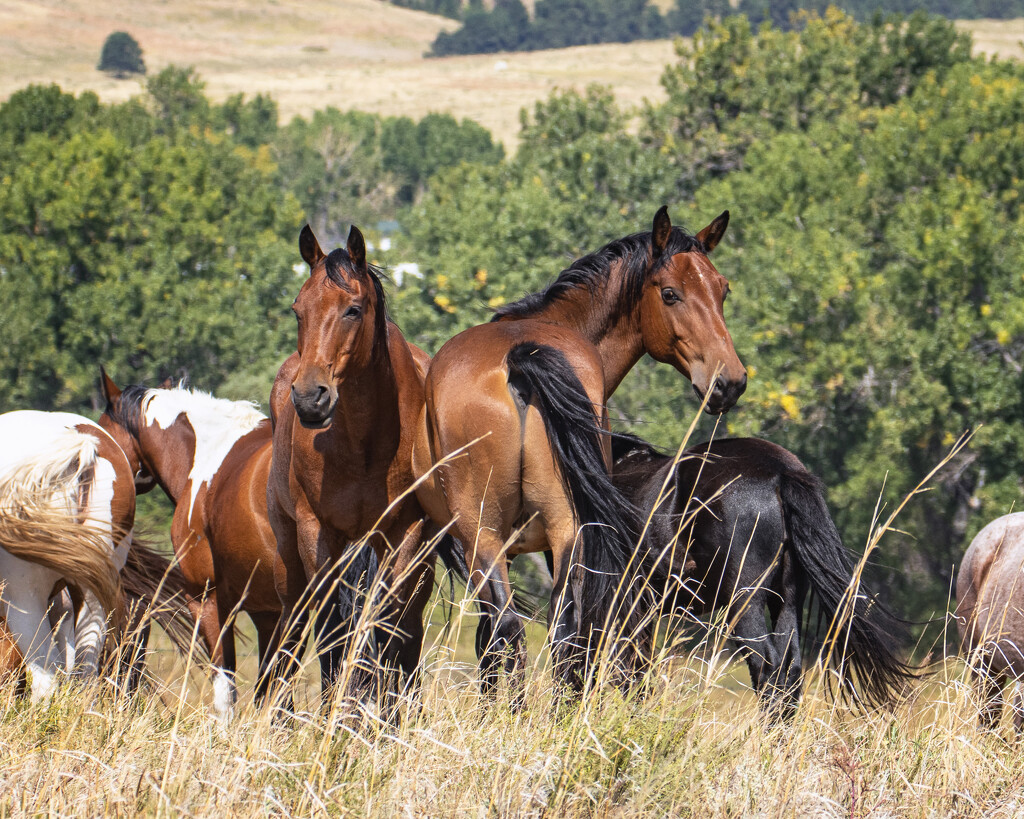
353 312
669 296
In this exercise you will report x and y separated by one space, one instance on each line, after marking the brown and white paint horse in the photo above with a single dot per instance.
212 458
530 389
67 510
345 406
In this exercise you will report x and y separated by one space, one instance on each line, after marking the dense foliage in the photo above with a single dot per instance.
873 174
555 24
560 23
158 236
872 171
447 8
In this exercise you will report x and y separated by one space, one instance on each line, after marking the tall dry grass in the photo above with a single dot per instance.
695 745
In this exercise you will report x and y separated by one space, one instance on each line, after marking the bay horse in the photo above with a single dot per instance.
67 511
212 458
521 402
741 525
990 615
345 407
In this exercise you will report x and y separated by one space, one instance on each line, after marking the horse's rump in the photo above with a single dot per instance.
42 520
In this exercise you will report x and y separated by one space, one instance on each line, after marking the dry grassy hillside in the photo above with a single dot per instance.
348 53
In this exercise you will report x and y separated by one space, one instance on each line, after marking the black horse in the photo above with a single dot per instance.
743 525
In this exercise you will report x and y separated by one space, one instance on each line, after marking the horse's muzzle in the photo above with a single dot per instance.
314 406
724 394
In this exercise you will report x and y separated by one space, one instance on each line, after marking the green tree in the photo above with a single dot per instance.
151 258
121 55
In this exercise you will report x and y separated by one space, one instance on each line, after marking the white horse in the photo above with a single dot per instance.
67 509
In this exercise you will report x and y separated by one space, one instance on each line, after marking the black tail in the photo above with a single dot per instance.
605 581
453 556
863 641
160 589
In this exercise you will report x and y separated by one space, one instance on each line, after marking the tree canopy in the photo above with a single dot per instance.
873 175
872 170
121 55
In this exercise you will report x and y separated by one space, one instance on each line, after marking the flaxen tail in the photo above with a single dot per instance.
41 502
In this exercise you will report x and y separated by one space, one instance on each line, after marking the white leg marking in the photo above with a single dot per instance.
25 604
224 695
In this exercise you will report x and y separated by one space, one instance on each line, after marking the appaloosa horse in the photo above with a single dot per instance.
345 406
740 524
990 615
67 509
521 403
212 459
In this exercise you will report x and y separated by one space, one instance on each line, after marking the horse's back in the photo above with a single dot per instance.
238 529
990 594
726 494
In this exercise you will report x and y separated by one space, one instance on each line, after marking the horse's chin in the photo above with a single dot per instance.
315 423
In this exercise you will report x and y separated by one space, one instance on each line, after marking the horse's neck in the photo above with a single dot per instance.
171 453
368 412
616 335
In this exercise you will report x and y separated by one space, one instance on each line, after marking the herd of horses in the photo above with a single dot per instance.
377 460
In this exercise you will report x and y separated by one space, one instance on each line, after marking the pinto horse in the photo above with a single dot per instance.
67 509
742 526
345 406
990 615
523 400
212 459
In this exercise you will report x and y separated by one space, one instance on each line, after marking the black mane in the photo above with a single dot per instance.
590 271
127 410
339 264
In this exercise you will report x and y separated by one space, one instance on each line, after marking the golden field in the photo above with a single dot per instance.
363 54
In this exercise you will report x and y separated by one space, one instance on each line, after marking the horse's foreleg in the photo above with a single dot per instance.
285 646
330 629
410 581
225 692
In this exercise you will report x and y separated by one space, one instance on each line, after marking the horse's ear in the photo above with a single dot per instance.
356 247
661 231
167 383
111 392
713 233
309 247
